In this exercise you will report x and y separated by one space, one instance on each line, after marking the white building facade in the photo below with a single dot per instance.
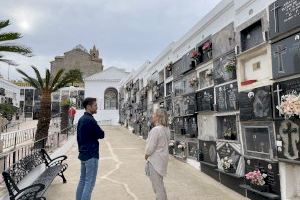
9 93
104 87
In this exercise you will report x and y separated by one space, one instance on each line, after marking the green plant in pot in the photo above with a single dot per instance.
230 66
65 105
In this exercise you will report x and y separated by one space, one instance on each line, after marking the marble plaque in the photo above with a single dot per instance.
220 74
259 139
205 100
169 103
207 127
227 97
286 56
284 16
288 139
223 41
178 106
232 151
192 149
189 104
256 104
284 88
190 126
208 150
271 169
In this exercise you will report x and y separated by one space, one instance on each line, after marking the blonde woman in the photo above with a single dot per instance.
157 153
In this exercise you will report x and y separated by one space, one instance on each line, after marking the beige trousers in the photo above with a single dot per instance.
157 184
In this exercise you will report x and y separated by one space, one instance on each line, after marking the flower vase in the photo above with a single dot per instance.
209 54
171 150
261 188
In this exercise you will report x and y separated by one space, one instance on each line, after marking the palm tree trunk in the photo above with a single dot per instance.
44 120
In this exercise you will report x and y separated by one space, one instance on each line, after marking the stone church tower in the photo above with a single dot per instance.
79 58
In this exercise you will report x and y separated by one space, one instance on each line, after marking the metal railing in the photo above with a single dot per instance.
50 143
14 138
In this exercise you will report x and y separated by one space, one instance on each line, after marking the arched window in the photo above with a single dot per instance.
111 99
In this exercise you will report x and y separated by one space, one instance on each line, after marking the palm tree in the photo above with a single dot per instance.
46 86
7 46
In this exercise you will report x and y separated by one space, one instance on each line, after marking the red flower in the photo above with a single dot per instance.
206 46
195 54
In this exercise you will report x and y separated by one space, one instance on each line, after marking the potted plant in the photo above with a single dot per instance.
257 180
229 134
64 122
230 66
195 54
290 105
227 165
207 48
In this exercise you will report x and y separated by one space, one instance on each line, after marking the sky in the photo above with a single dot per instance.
126 32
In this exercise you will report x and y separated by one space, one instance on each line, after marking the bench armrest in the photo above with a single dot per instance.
57 161
31 191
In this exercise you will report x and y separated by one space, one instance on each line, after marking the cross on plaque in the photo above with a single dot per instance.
274 9
277 91
289 131
279 53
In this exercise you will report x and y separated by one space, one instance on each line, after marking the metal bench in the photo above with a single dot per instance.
13 175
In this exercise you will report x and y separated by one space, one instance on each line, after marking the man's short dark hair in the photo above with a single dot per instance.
88 101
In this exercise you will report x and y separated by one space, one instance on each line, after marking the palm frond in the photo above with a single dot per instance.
38 75
30 80
10 36
63 83
56 78
10 62
4 23
8 47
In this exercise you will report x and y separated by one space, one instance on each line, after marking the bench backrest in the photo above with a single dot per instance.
14 174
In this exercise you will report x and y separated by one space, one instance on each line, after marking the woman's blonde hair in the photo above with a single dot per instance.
162 117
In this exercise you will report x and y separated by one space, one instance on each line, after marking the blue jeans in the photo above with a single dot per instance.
87 180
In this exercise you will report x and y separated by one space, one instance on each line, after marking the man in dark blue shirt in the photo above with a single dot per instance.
88 134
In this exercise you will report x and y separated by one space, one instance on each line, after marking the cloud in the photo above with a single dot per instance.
126 32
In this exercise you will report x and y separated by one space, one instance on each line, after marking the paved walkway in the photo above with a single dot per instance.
121 174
